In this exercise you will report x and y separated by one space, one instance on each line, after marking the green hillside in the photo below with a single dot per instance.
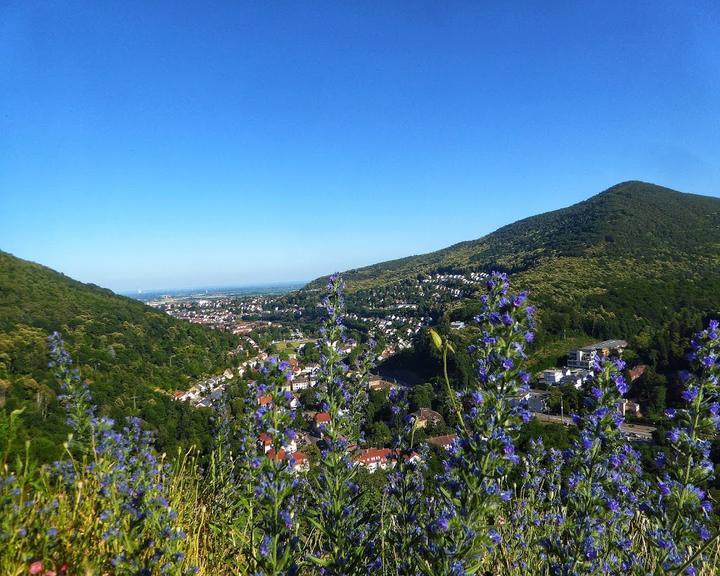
629 220
134 355
622 263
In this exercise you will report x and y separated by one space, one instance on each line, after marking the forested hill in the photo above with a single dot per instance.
134 355
622 263
632 219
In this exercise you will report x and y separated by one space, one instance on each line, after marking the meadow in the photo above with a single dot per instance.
112 505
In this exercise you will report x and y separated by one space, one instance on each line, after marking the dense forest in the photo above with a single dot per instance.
133 356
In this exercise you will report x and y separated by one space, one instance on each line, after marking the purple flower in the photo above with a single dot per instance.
265 545
690 393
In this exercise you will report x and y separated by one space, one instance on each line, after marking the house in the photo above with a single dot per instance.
300 383
552 376
537 400
264 400
575 378
585 357
294 402
374 458
378 383
457 325
321 419
266 442
636 372
228 374
426 416
297 461
300 462
374 381
444 441
629 408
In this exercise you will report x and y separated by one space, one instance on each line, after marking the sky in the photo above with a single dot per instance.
148 145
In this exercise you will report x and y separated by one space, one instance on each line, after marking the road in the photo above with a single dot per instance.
635 430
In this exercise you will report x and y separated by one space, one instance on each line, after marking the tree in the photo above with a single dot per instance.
380 435
422 396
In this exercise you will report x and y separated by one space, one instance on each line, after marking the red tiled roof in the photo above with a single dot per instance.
373 455
443 441
299 457
271 454
321 418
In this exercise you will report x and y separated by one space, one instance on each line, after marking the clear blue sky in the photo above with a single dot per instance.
178 144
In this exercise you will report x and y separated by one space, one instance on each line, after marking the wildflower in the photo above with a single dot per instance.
265 546
124 466
680 514
345 537
477 466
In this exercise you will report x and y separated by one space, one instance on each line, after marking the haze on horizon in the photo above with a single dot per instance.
185 145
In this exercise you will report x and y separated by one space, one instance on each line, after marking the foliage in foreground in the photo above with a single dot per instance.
112 506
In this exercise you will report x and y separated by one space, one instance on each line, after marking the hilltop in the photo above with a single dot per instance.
134 355
631 258
631 219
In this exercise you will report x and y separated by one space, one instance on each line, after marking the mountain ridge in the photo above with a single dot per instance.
604 218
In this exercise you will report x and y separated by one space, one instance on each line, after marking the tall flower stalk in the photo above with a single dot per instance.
278 488
109 496
336 513
404 522
75 393
490 411
595 508
682 508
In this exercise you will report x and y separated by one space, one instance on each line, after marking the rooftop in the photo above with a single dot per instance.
606 344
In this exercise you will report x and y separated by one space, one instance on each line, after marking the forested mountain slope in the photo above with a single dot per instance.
134 355
622 263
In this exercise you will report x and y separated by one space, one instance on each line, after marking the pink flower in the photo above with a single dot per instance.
36 567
